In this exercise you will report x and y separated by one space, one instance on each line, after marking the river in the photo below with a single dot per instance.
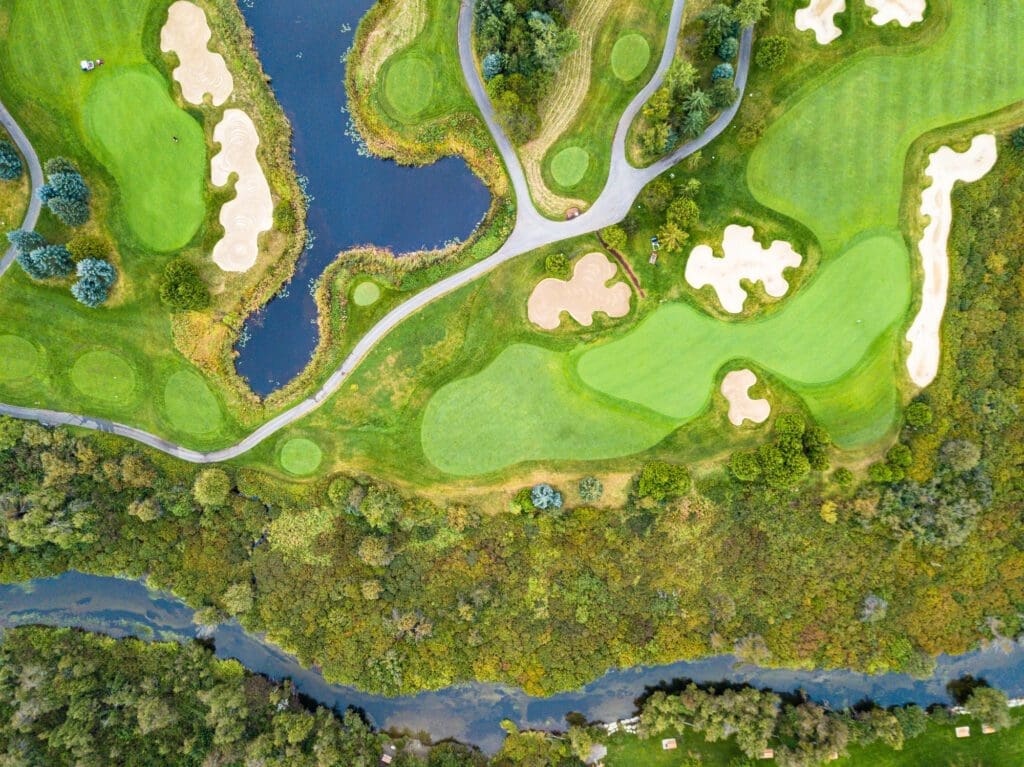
355 200
470 713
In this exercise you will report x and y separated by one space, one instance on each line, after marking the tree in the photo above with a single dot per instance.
543 497
672 238
683 212
211 487
558 266
375 552
655 139
918 415
749 12
11 166
718 20
723 71
493 65
695 121
182 288
83 246
728 49
590 489
46 262
960 455
95 277
1017 137
614 237
657 195
988 705
745 465
772 53
381 506
25 242
723 94
661 481
70 212
65 193
697 101
59 165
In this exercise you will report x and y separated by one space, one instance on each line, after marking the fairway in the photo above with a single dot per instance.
844 175
131 124
300 456
104 376
409 86
366 293
529 405
570 165
630 56
190 405
18 358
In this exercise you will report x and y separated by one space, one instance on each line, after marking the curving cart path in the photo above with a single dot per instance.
531 231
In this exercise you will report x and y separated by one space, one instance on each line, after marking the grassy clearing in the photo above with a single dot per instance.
840 180
630 57
190 405
570 165
155 151
106 376
409 86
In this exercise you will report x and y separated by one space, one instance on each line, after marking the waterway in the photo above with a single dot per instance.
355 200
472 712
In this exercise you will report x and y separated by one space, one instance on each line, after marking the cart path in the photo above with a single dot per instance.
531 231
35 174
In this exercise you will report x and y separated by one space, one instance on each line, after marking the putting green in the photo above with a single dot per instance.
131 124
835 159
190 405
366 293
409 85
104 376
627 395
18 358
300 456
630 56
570 165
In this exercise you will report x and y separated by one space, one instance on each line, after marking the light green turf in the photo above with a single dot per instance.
524 406
529 405
630 56
835 159
18 358
570 165
300 456
105 376
190 405
131 122
409 85
366 293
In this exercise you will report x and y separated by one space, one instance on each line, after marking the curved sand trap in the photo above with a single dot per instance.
736 389
201 71
745 259
252 211
820 16
946 168
581 296
906 12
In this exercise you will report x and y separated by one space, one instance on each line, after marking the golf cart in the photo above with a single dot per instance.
88 64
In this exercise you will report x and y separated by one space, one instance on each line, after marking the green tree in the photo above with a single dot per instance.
558 266
749 12
11 166
718 21
211 487
182 288
772 53
662 481
672 238
988 705
89 246
375 552
918 415
683 212
615 238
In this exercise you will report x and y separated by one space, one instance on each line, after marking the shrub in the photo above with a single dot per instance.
70 212
842 477
899 455
211 487
59 165
989 706
772 53
46 262
961 455
70 186
494 65
557 265
723 94
375 551
95 276
657 195
65 192
25 242
728 49
381 506
85 246
918 414
1017 137
615 237
182 287
745 466
723 71
683 213
11 166
543 496
662 481
590 489
284 217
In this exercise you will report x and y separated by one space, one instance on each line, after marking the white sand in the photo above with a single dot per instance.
201 71
906 12
252 211
736 389
586 293
946 168
820 16
745 258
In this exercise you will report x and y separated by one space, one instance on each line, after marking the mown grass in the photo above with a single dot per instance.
409 86
13 199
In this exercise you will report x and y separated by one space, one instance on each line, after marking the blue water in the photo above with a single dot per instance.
472 712
356 200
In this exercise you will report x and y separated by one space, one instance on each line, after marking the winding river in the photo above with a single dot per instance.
356 200
471 712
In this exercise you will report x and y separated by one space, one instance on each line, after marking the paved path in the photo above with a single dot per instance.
35 173
532 231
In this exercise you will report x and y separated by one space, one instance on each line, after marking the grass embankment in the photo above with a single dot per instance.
152 201
936 747
14 197
624 51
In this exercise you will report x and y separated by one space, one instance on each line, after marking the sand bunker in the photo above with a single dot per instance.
736 389
252 211
581 296
946 168
201 71
906 12
820 16
745 259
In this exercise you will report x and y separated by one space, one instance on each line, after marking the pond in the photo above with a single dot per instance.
356 200
470 713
